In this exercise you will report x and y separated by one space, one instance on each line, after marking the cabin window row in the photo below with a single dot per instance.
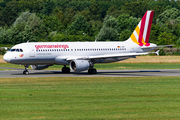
102 49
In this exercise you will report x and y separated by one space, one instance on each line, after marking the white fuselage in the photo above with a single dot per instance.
57 52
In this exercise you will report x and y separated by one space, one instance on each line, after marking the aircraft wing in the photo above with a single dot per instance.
105 56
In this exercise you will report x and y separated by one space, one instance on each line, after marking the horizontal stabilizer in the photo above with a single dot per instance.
154 47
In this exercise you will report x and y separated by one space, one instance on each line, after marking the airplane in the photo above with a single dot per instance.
82 56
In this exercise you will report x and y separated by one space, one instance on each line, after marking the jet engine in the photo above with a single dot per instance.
39 67
79 65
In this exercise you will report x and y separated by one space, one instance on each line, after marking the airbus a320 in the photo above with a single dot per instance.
82 56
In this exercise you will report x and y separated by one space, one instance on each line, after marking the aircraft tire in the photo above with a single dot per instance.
25 72
92 71
65 70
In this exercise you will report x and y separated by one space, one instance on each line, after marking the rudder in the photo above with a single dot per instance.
141 34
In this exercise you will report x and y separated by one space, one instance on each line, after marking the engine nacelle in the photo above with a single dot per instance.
39 67
79 65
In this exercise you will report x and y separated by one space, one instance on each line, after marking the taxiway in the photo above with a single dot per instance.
100 73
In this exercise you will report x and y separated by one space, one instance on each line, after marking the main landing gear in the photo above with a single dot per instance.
26 72
65 69
92 71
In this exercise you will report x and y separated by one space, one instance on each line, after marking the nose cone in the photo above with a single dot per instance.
7 58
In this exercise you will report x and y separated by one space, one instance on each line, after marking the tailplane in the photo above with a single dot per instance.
141 34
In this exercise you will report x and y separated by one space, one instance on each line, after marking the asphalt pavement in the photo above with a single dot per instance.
16 73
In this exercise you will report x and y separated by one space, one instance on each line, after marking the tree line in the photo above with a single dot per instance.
86 20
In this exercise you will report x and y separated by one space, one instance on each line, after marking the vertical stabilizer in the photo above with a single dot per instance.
141 34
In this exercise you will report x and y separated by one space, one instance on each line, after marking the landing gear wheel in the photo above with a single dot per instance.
92 71
25 72
65 70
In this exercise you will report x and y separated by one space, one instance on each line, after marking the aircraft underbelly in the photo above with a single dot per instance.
33 61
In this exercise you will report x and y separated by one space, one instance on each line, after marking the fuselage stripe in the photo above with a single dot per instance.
142 28
134 39
149 26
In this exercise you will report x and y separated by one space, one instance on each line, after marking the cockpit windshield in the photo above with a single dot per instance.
16 50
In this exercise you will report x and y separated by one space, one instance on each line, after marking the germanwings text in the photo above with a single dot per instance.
51 46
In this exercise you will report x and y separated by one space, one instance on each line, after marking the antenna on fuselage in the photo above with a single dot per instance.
95 40
28 41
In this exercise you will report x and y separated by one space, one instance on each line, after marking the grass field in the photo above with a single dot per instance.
97 98
101 98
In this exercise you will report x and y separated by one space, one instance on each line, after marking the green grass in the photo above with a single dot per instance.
99 98
11 65
122 66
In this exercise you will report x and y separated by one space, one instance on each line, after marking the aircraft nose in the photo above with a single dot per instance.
7 58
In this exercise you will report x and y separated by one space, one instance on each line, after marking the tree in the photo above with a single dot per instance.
96 26
22 19
135 9
79 26
110 21
109 30
107 34
113 11
69 15
94 12
166 39
104 5
53 23
171 15
124 35
8 16
127 22
79 5
155 31
49 6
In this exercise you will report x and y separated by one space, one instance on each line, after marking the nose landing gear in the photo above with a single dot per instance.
26 72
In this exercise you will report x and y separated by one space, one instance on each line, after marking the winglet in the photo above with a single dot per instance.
141 34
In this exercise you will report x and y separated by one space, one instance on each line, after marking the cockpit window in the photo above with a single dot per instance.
12 50
16 50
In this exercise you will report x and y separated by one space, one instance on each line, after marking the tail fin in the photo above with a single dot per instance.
141 34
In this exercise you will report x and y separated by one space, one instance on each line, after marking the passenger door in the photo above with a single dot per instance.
31 50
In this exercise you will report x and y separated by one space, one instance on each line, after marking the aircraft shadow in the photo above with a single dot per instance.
99 73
